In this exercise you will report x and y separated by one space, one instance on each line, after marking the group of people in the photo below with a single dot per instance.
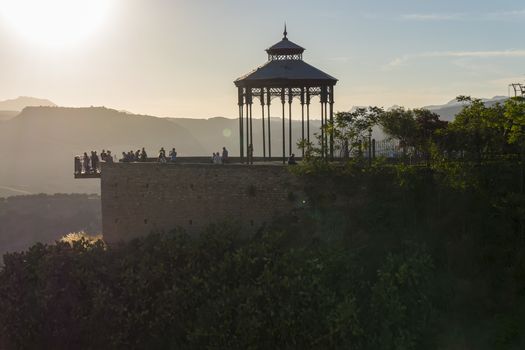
90 164
138 156
172 156
141 156
218 158
106 156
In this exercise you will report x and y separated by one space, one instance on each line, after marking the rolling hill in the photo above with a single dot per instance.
38 144
19 103
448 111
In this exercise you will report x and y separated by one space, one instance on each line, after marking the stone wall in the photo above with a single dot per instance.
139 198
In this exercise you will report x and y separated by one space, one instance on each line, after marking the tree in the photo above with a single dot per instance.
350 128
515 116
400 124
478 131
428 126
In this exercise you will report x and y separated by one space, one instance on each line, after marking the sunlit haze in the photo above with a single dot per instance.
54 23
179 57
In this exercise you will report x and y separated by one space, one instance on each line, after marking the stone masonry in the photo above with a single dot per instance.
139 198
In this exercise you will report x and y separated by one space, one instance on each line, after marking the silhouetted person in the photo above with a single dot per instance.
103 155
94 162
85 162
162 155
143 155
173 155
137 155
224 155
291 160
109 157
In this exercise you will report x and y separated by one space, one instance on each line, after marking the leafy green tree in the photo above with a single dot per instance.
515 116
478 131
400 124
429 128
351 128
216 291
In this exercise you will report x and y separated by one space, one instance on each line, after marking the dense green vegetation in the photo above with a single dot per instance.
387 256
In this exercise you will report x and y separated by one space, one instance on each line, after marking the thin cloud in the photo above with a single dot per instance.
432 17
400 61
464 16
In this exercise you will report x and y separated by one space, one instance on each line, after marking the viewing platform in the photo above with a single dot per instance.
81 172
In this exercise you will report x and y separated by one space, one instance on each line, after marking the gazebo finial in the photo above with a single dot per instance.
285 33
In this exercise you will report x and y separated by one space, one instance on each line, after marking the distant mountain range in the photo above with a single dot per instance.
448 111
19 103
37 145
10 108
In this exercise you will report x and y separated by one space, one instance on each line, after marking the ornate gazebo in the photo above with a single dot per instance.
284 76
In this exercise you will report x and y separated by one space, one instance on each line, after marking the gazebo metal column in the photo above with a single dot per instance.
326 150
241 130
263 126
302 121
283 101
308 99
322 131
324 99
249 134
251 129
290 100
331 121
268 103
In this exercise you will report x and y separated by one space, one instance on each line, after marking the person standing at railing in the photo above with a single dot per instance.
143 155
85 163
217 158
224 155
173 155
109 157
94 162
162 155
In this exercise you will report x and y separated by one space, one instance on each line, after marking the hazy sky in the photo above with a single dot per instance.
180 57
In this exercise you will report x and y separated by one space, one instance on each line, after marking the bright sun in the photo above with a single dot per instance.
54 22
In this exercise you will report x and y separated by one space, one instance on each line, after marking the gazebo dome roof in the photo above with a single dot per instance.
285 47
285 67
286 72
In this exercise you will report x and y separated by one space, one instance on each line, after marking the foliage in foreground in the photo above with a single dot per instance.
217 291
381 257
